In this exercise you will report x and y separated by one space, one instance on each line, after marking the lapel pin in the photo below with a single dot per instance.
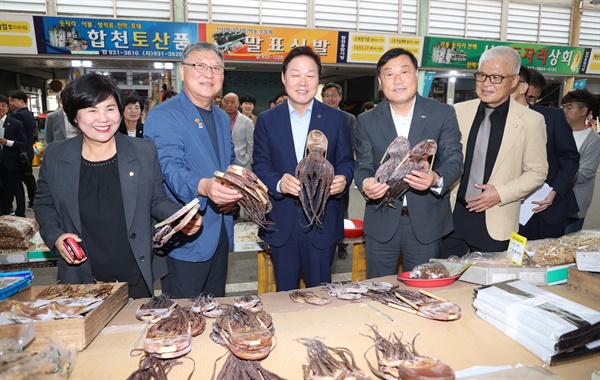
131 174
515 126
318 116
196 120
423 117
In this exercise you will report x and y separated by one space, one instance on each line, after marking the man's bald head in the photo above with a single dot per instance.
230 104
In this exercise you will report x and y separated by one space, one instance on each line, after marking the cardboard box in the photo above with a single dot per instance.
586 282
77 332
535 275
13 258
245 238
588 261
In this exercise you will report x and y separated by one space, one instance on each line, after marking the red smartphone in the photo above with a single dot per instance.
74 249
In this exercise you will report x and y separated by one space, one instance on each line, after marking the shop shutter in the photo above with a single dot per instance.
523 22
74 8
379 15
590 28
447 18
263 85
236 11
555 25
197 11
32 7
290 13
484 19
336 14
153 9
409 14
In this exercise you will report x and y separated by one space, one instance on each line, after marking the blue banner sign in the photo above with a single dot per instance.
113 37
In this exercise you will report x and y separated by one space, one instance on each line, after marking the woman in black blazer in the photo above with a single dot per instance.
104 190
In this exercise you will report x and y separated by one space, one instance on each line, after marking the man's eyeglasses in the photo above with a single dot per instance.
330 96
532 99
494 79
202 67
568 107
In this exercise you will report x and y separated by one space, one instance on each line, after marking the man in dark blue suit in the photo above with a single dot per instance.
279 144
12 137
17 100
552 213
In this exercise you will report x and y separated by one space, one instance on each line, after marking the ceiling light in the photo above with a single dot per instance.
452 79
159 65
453 72
75 63
169 66
86 63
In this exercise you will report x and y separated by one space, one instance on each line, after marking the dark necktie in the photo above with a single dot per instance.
479 153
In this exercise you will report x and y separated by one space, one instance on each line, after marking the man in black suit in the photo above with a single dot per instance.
17 100
552 213
12 137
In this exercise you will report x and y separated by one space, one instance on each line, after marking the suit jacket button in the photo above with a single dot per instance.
142 258
132 236
296 203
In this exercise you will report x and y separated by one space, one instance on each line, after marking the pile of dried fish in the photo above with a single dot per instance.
153 368
421 303
251 302
236 368
165 229
316 175
399 360
248 335
401 162
355 290
330 362
309 297
255 194
429 270
156 309
171 337
208 306
100 290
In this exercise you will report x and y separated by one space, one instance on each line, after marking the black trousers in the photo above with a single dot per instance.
538 228
12 188
470 234
189 279
31 185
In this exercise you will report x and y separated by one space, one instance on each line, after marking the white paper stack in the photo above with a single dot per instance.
552 327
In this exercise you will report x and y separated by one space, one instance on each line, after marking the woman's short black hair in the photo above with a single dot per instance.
247 98
168 95
132 99
87 91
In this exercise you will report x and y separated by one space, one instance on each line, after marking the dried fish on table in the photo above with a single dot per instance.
99 290
153 368
171 337
400 360
236 368
421 303
309 297
248 335
156 309
250 302
326 362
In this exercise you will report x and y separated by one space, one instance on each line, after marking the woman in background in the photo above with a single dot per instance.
131 124
103 189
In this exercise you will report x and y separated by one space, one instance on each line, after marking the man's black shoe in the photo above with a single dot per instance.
342 253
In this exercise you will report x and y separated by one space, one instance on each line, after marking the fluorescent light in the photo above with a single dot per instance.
453 72
86 63
452 79
75 63
168 66
159 65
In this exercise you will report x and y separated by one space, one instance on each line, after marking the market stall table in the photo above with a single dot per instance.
464 343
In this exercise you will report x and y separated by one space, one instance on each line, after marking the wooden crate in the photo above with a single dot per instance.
580 281
78 332
266 275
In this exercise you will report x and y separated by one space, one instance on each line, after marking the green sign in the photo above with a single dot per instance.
464 54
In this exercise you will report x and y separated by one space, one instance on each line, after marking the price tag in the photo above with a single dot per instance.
516 248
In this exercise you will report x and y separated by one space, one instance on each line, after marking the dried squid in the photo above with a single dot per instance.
400 360
401 162
316 175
